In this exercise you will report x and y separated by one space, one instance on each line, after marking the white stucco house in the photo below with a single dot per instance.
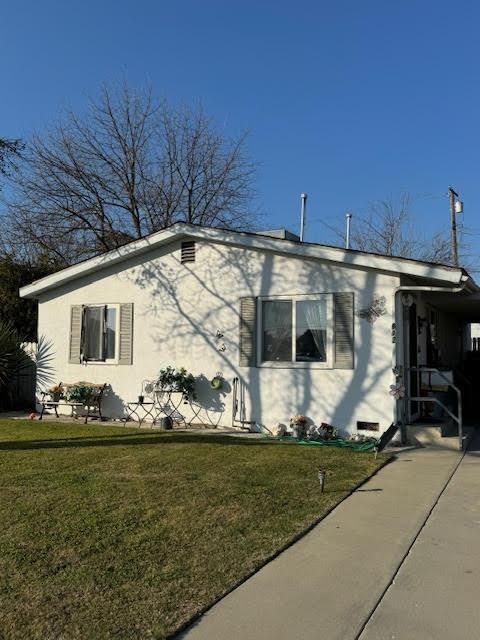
292 327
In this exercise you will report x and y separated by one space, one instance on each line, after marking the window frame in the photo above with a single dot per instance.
103 361
293 364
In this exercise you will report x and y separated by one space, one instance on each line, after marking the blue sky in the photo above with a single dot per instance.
349 101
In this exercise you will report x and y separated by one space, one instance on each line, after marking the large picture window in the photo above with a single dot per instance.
99 333
296 330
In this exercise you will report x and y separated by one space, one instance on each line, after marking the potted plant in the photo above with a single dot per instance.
56 392
327 432
298 425
78 392
177 381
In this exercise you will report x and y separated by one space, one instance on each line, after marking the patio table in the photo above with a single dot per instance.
134 408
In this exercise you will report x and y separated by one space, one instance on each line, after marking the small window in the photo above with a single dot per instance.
295 330
99 333
188 251
368 426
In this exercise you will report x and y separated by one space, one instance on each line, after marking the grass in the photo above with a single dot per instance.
113 532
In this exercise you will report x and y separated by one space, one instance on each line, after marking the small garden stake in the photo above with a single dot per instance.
321 477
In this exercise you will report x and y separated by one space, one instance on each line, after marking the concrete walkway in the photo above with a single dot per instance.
435 594
409 523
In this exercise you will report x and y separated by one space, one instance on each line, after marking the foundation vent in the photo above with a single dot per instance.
368 426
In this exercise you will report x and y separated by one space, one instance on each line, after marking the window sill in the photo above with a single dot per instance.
294 365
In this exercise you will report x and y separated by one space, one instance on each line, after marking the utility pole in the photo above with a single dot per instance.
456 206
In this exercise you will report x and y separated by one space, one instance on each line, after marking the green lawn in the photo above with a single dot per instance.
109 532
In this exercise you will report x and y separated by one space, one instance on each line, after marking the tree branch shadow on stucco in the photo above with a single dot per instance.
163 285
185 317
233 271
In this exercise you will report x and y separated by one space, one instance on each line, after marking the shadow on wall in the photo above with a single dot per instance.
187 304
112 403
182 322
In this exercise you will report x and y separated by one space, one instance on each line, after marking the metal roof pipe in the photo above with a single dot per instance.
347 234
303 209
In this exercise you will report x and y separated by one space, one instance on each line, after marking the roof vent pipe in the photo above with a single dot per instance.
347 234
303 198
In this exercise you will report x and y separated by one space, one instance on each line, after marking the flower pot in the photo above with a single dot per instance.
299 430
216 383
165 422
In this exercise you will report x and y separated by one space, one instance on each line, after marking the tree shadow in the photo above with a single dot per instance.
185 307
127 440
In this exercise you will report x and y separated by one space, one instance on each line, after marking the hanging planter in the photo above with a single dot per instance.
216 383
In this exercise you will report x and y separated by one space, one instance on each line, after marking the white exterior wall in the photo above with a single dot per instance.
178 309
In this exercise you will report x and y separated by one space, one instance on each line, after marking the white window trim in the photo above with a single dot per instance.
296 365
107 361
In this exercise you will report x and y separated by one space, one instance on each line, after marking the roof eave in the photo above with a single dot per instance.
262 243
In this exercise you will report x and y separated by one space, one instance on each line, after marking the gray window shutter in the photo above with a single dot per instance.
126 334
248 332
344 345
75 351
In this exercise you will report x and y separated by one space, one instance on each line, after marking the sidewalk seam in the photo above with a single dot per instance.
409 549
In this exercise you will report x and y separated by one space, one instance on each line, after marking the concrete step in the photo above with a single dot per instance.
439 436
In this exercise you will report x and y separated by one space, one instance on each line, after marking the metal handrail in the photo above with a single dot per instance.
458 419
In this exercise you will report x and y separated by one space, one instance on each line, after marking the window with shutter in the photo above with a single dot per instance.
101 333
75 351
308 331
125 355
296 331
248 332
344 356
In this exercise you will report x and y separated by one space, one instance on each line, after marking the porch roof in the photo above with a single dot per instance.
464 305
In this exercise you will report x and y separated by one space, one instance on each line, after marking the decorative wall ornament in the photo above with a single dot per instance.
218 337
374 311
397 370
397 390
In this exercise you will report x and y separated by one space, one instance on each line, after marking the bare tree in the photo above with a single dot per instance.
9 152
128 167
388 228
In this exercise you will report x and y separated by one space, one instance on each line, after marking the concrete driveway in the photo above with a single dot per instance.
396 560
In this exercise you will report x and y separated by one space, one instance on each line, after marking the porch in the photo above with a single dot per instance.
441 364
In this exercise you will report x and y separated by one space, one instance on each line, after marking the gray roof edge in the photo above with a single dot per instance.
254 240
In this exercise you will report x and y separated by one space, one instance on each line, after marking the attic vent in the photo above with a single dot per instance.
188 251
368 426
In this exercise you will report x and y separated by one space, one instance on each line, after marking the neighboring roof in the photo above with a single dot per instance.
251 240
